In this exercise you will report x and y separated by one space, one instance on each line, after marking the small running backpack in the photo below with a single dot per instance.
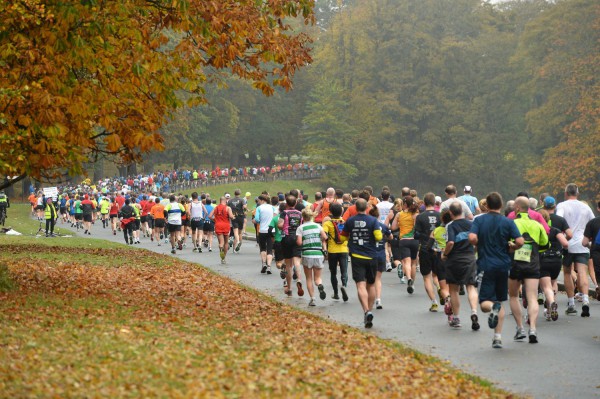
336 230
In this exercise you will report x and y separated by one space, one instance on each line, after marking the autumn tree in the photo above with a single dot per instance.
85 79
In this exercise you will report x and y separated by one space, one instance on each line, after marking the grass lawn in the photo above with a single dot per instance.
106 320
256 188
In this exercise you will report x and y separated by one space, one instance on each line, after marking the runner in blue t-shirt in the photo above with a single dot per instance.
491 233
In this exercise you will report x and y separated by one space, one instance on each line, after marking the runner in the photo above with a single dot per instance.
425 224
384 207
158 214
264 216
78 213
239 209
591 239
222 216
491 233
197 215
461 268
289 220
209 226
337 251
311 238
577 214
450 191
525 270
114 215
362 231
381 256
550 265
127 215
104 211
408 247
174 210
471 201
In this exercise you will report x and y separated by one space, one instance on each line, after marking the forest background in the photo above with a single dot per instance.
500 96
422 94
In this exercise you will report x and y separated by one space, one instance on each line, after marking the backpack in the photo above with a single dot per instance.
336 233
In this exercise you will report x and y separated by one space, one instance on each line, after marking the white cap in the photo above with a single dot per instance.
468 189
438 199
227 195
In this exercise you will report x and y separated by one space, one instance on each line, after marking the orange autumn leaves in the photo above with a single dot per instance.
86 78
179 330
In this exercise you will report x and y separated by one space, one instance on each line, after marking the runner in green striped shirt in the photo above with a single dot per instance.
311 237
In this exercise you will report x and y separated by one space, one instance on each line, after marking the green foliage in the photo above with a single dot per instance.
6 283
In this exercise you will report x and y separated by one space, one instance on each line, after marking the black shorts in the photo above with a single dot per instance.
144 219
197 224
39 207
364 270
494 286
265 243
63 210
79 216
87 217
159 223
238 222
289 248
426 261
461 269
408 248
185 222
278 252
113 215
174 228
209 226
136 225
550 267
381 264
521 271
570 258
439 267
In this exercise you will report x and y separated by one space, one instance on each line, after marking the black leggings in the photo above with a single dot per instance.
50 225
126 229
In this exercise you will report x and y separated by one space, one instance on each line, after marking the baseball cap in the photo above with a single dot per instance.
467 189
438 199
227 195
248 194
549 202
281 197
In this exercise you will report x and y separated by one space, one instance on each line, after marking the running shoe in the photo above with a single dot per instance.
336 296
322 293
585 310
400 274
263 270
493 317
433 307
403 280
344 293
312 302
547 315
497 343
579 297
368 319
520 334
554 311
151 238
283 273
533 337
474 322
209 249
221 253
130 241
448 307
571 311
300 290
388 267
223 262
269 270
410 289
238 246
442 300
161 236
454 322
288 292
199 250
294 275
195 249
378 304
173 251
540 298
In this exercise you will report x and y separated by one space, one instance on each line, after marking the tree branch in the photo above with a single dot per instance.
9 182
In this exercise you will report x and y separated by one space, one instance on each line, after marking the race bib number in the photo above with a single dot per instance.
523 254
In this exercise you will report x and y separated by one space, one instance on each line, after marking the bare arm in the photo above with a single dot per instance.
473 239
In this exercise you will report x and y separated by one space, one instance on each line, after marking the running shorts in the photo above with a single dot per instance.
364 270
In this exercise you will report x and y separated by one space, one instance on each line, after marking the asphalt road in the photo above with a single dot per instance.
563 363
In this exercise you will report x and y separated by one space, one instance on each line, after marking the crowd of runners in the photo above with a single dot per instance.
490 250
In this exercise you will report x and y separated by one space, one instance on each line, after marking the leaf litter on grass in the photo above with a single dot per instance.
72 329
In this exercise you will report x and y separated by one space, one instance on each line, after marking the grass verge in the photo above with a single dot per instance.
139 324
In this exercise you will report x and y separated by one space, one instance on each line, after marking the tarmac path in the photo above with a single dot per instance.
563 363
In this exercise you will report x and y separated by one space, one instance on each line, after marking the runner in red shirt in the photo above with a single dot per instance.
222 216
